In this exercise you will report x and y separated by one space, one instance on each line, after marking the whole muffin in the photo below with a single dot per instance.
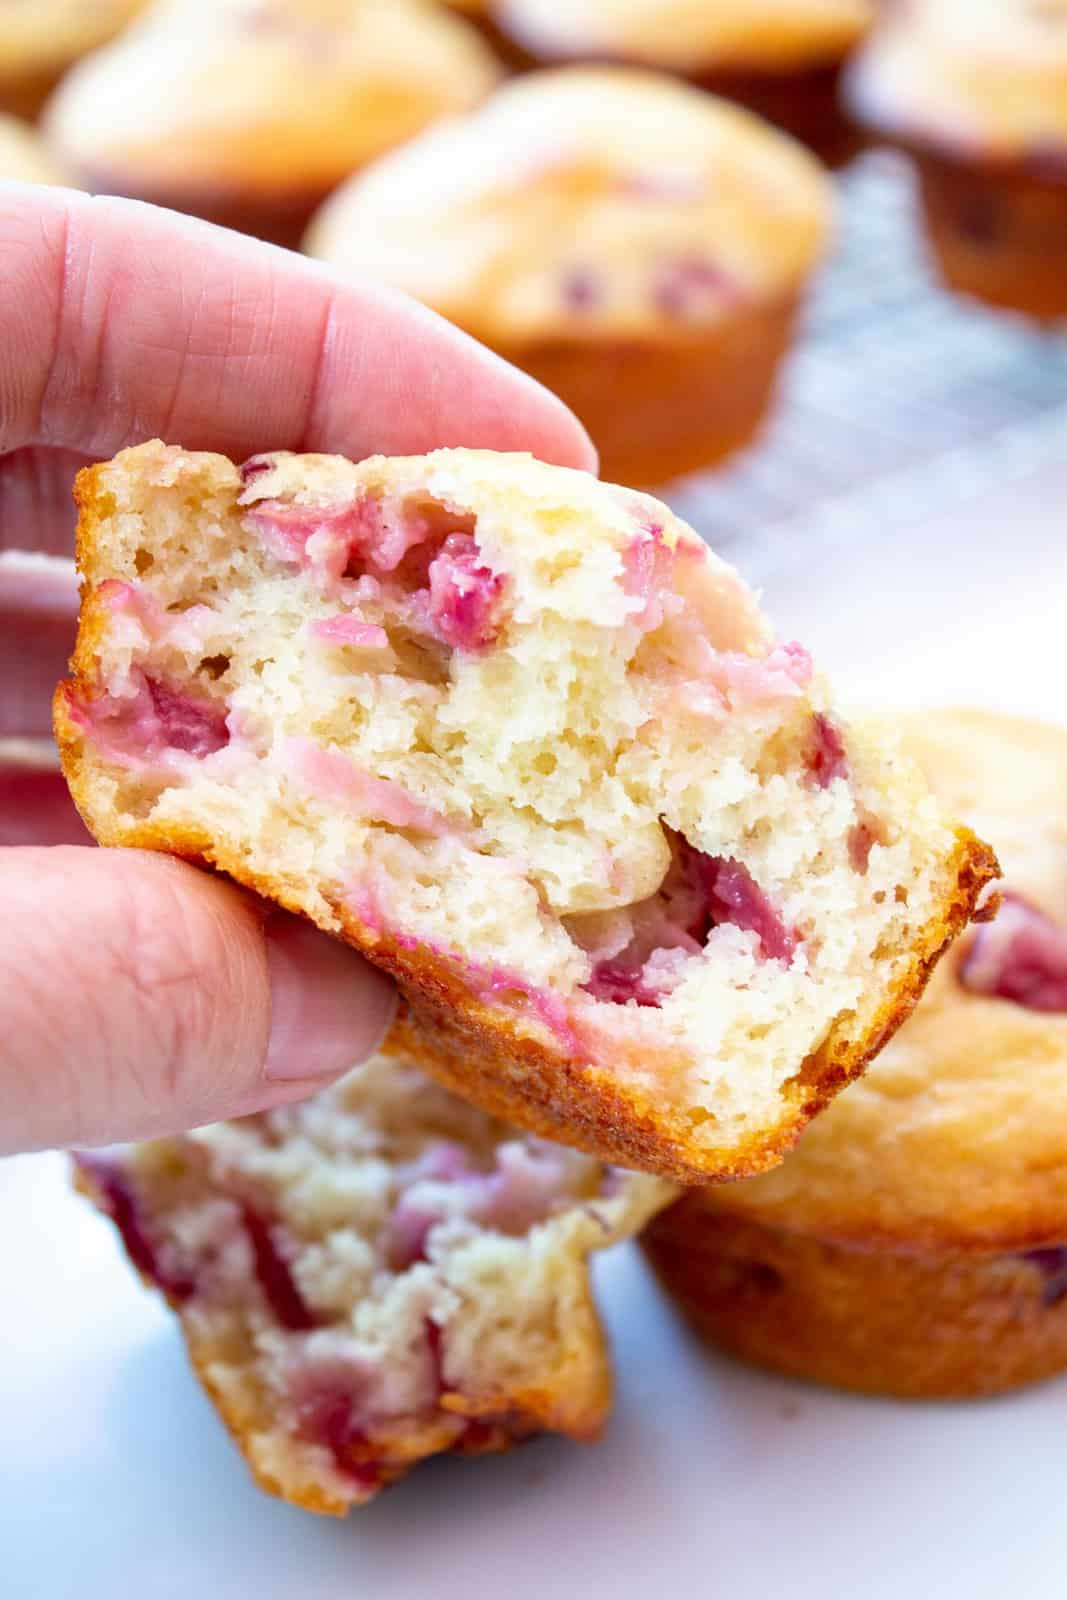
915 1243
976 92
637 246
781 58
479 12
248 112
24 156
40 39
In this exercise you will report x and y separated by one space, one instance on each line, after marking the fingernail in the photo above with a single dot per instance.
329 1008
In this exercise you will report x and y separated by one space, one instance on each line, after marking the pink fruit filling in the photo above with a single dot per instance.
1051 1262
154 719
526 1186
826 759
436 576
690 286
120 1203
862 838
275 1278
186 724
329 1414
581 289
464 595
1021 956
435 1352
700 893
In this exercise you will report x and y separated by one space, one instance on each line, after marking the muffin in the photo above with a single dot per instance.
518 736
40 39
479 12
376 1275
915 1243
24 156
248 112
976 92
637 246
781 58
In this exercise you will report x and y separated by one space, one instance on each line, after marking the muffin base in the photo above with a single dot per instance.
999 230
280 218
922 1325
656 410
25 97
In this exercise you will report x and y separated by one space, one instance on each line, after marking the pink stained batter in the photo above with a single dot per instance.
332 777
745 681
648 573
350 629
319 538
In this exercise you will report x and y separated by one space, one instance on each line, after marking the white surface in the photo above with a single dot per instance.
116 1481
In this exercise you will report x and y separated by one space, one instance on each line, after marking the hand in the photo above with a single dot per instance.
138 995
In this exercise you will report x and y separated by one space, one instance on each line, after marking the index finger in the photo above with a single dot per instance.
120 321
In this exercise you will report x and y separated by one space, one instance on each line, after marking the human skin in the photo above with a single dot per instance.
139 995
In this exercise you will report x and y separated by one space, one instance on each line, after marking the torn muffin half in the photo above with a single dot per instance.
376 1275
522 739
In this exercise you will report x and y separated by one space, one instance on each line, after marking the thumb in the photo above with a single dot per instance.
140 996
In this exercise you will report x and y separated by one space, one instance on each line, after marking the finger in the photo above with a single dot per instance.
120 321
38 618
142 997
37 500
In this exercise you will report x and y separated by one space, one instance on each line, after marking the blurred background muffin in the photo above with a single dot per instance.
480 12
915 1242
781 58
638 246
40 39
23 154
249 112
976 92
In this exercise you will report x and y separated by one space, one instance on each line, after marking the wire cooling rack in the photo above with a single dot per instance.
899 398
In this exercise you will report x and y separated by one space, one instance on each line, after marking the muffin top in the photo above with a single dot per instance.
267 95
957 1136
23 155
990 74
44 35
689 35
586 202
